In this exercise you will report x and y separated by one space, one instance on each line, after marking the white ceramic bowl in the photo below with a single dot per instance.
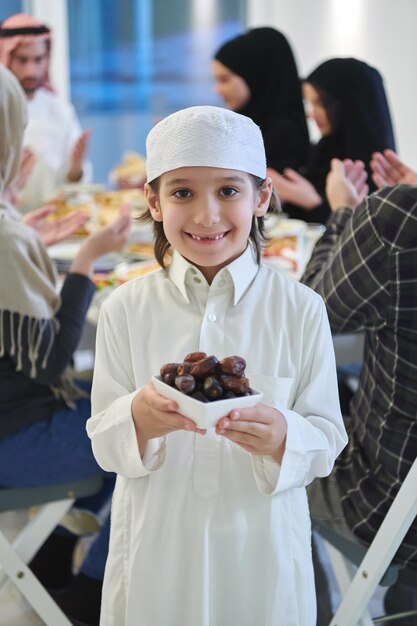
204 414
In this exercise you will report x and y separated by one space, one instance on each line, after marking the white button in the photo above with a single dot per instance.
212 317
221 282
197 280
193 271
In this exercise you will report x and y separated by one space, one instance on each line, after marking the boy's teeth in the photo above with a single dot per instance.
219 236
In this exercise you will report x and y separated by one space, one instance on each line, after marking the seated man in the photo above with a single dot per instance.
365 269
55 144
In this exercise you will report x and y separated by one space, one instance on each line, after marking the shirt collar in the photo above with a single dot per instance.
241 271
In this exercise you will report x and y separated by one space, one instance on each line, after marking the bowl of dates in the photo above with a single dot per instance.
206 388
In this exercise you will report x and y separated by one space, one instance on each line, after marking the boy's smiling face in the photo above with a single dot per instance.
207 213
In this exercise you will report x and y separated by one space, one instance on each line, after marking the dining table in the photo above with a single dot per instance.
289 247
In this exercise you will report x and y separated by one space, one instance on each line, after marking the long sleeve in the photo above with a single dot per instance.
316 433
51 133
347 269
111 428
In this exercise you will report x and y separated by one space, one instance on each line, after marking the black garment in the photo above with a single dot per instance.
324 603
23 399
401 597
356 104
81 600
264 59
52 564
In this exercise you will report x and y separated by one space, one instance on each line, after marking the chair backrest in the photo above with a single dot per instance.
54 502
380 553
13 498
353 551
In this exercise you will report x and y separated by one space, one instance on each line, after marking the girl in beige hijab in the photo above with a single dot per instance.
42 412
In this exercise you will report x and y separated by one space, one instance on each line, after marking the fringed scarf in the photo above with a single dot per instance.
28 287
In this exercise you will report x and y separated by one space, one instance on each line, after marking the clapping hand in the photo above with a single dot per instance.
388 169
27 164
107 239
346 184
294 188
57 230
78 153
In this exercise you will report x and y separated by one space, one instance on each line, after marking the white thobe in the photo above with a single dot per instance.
51 133
204 533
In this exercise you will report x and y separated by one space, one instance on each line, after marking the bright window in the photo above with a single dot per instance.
135 61
10 7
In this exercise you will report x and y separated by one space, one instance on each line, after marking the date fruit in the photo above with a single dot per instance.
237 385
212 388
207 379
169 368
195 356
185 383
201 369
184 368
233 365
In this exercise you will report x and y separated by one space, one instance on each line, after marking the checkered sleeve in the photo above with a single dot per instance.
347 269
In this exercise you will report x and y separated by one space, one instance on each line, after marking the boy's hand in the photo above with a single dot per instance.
155 416
259 430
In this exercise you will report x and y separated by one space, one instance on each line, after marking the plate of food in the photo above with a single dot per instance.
131 173
101 207
64 253
206 388
128 271
140 250
284 247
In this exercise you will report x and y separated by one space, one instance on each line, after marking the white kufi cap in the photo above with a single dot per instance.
205 136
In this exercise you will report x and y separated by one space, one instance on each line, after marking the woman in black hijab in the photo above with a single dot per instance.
349 104
256 75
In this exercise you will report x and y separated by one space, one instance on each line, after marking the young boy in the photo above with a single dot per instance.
212 527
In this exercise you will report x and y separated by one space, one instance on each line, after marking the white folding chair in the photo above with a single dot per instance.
358 584
54 502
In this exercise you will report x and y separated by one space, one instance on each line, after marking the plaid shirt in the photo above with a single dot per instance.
365 268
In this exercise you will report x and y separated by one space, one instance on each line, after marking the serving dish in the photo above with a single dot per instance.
204 414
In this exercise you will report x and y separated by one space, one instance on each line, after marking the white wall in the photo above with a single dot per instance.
54 13
380 32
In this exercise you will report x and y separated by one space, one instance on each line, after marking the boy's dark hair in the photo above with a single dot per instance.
257 235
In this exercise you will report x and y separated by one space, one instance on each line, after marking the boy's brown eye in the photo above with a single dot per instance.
182 193
228 191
